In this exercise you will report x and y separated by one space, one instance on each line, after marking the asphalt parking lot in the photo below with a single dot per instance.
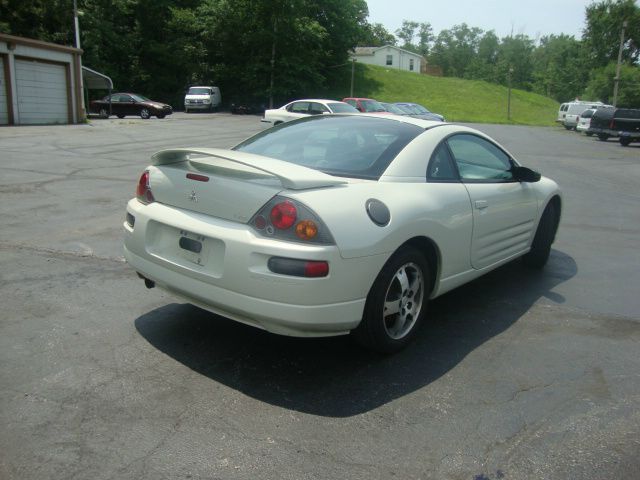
518 375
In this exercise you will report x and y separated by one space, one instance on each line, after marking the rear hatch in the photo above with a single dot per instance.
227 184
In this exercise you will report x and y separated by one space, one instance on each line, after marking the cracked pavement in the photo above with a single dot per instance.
518 375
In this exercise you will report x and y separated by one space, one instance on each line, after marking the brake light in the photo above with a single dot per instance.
283 218
283 215
612 124
143 191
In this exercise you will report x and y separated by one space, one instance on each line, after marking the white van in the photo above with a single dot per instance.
569 113
202 98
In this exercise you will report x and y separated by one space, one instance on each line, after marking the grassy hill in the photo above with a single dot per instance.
457 99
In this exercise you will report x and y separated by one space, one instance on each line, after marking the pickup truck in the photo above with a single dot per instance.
623 123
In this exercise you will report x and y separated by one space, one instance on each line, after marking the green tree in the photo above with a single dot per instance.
601 35
376 35
600 85
559 67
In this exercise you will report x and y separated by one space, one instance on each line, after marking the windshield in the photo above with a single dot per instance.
389 107
420 109
140 98
344 146
372 106
199 91
342 108
406 109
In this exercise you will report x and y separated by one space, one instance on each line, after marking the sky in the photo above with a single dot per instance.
534 18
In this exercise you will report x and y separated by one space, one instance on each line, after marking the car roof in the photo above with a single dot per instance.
319 100
405 119
360 98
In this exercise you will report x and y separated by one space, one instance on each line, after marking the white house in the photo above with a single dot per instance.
389 56
39 82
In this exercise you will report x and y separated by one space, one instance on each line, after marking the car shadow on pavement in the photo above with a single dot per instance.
333 376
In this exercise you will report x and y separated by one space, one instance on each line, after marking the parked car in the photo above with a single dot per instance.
202 98
123 104
419 111
627 122
575 110
600 121
584 122
391 108
337 223
304 108
617 122
366 105
564 108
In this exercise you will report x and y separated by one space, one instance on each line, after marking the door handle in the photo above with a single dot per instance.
481 204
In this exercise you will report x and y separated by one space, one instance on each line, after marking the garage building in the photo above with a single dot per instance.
39 82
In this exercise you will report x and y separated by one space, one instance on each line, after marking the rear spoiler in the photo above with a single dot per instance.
291 176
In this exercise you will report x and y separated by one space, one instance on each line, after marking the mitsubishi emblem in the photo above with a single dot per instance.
193 197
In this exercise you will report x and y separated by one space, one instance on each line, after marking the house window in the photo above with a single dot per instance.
411 64
389 59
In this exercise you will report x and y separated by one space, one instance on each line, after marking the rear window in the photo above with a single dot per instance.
344 146
342 108
199 91
587 114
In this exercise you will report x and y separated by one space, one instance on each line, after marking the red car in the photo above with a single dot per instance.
366 105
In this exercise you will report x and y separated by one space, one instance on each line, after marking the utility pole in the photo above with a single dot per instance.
273 60
76 25
509 94
616 80
353 68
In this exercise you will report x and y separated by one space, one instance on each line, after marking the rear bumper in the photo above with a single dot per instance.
234 280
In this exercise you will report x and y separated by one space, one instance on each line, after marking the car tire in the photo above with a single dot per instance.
120 115
589 134
625 142
568 127
545 234
161 115
103 113
603 137
145 113
396 303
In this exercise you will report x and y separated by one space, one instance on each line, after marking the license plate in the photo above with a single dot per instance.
192 247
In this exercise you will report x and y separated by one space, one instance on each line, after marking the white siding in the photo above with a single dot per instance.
41 92
4 111
400 59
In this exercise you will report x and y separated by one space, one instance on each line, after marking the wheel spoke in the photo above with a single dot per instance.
401 276
391 307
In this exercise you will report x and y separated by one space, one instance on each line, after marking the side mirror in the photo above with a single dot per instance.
524 174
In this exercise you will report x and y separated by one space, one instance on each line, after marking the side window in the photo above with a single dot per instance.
389 59
126 98
351 102
440 167
300 107
479 160
317 108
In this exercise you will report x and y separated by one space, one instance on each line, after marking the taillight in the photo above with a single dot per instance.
612 124
143 191
283 215
286 219
298 268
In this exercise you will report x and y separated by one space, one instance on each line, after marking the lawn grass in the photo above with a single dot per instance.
457 99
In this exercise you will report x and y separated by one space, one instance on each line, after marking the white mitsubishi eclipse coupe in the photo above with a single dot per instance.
337 224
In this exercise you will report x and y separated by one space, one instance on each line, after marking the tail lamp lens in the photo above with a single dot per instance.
298 268
283 218
306 229
143 191
283 215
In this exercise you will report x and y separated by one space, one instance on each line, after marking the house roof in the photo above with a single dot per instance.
362 51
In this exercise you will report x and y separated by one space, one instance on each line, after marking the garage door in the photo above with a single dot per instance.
4 112
41 92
